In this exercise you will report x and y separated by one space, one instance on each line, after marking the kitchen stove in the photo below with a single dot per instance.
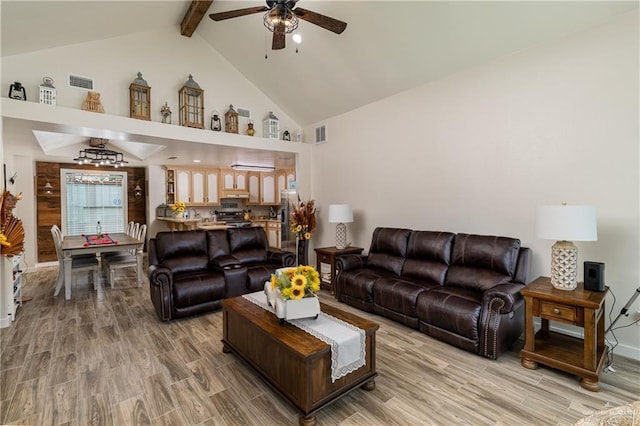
232 218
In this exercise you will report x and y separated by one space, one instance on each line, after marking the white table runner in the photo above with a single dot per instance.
347 341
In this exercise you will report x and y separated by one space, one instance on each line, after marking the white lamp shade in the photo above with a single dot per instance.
566 223
340 213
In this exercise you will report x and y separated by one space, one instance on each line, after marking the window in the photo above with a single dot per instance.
90 196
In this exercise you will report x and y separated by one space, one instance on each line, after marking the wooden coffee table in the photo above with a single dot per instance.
296 364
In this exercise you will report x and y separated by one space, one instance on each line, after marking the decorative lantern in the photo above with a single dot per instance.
165 111
271 127
250 130
140 99
216 123
231 120
286 136
17 91
191 104
47 92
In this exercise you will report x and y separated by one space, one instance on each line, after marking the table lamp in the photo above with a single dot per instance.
340 214
565 224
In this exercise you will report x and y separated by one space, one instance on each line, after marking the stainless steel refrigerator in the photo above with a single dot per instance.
288 200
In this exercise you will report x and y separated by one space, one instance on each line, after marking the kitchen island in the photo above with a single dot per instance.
180 224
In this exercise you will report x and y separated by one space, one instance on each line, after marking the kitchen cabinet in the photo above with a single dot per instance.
233 180
273 233
268 189
283 177
183 185
193 186
254 188
171 185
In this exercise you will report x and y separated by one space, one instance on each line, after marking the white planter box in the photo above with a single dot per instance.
307 307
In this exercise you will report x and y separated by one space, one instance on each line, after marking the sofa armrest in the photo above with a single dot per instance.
281 258
347 262
161 285
509 293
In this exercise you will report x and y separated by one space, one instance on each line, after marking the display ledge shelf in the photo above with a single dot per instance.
60 119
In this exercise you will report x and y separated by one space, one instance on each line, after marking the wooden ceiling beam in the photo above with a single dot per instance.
194 15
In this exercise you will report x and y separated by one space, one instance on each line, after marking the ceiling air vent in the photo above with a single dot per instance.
321 133
80 82
244 113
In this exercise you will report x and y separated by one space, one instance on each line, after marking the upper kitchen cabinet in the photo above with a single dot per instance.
268 189
234 184
254 188
195 186
283 177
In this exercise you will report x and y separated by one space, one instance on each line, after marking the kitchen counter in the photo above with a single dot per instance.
178 224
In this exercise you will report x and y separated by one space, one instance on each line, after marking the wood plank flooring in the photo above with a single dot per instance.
103 358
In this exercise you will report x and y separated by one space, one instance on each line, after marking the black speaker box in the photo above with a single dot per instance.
594 276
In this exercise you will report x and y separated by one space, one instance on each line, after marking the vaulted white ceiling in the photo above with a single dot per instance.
388 46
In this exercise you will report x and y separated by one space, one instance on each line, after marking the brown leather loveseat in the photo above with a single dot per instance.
190 272
459 288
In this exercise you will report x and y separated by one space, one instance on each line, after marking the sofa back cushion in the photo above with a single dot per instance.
248 245
182 251
217 243
388 249
428 256
481 262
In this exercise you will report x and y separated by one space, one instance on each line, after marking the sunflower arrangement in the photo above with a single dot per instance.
178 207
303 219
296 283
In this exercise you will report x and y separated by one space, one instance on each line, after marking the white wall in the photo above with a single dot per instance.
478 151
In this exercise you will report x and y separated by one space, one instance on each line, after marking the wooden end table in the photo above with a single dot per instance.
583 308
328 255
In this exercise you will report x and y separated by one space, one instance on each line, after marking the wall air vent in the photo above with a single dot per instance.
243 112
321 134
80 82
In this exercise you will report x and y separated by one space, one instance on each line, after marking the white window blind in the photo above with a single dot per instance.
92 196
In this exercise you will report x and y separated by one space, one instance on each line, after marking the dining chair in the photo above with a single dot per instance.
132 228
79 263
127 259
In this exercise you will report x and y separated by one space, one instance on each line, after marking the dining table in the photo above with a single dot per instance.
80 244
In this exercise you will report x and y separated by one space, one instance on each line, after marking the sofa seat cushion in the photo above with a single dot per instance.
456 310
359 283
398 295
197 288
187 264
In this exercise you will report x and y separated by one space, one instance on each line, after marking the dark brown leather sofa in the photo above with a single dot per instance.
459 288
190 272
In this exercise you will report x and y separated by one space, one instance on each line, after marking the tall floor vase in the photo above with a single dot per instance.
303 252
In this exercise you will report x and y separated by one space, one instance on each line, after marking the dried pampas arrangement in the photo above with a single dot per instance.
11 228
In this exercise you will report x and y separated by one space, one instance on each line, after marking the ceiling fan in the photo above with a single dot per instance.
281 18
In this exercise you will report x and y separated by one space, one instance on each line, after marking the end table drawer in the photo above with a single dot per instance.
558 312
324 258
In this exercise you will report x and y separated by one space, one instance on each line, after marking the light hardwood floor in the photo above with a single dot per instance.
103 358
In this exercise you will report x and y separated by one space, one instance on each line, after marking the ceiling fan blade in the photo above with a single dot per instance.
320 20
278 37
221 16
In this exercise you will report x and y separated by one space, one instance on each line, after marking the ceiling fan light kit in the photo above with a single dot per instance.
282 17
